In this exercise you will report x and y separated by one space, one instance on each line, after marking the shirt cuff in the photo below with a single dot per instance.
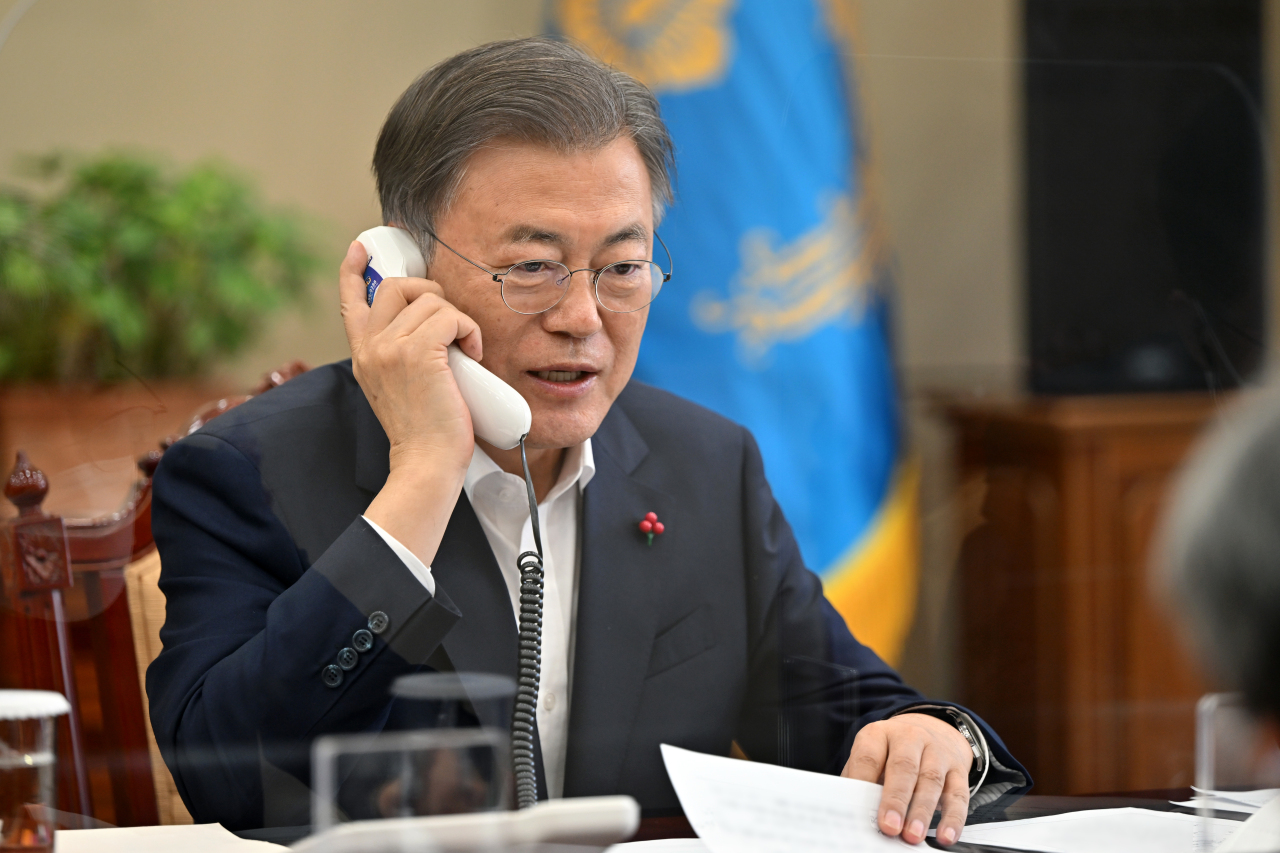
420 570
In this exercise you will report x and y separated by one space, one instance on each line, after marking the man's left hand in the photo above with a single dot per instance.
923 763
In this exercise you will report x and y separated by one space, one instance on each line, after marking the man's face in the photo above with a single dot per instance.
519 202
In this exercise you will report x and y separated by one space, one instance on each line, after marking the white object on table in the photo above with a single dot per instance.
1127 830
750 807
1258 834
662 845
1256 799
1217 804
584 821
197 838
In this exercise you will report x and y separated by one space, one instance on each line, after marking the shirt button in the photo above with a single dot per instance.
362 640
331 675
549 702
347 658
378 621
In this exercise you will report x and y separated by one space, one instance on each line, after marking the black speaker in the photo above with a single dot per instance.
1145 194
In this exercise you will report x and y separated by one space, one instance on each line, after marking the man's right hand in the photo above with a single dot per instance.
399 357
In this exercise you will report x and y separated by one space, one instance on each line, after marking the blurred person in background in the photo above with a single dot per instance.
1218 559
1220 554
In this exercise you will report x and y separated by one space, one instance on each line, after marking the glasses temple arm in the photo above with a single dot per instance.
493 275
671 268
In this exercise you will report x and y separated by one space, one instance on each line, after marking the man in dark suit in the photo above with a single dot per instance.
348 528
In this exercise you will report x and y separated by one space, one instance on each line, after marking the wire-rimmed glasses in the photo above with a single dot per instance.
538 285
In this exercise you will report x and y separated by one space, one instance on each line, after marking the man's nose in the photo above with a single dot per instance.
578 313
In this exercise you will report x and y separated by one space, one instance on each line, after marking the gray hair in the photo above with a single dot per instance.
538 90
1219 551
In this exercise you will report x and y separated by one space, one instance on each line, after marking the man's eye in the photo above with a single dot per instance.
531 267
624 270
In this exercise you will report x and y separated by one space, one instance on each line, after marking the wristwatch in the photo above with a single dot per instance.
968 730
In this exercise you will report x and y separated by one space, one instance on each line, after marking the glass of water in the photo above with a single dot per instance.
27 784
449 752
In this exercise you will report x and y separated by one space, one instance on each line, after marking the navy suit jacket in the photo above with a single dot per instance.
716 633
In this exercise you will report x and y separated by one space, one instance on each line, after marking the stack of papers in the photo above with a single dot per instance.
1105 830
1245 802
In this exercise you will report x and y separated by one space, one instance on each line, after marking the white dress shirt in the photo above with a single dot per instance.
502 505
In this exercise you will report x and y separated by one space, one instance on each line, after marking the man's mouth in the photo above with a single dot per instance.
559 375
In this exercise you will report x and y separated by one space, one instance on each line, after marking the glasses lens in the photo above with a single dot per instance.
531 287
629 285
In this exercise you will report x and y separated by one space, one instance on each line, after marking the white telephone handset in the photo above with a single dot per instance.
498 413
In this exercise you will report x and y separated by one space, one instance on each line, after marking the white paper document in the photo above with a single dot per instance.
1253 800
1259 834
749 807
200 838
1217 804
662 845
1106 830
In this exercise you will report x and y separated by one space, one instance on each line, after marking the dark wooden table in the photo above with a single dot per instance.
674 824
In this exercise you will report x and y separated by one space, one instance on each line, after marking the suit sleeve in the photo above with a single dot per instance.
258 642
813 686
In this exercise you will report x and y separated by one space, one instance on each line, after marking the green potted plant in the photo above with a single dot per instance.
123 282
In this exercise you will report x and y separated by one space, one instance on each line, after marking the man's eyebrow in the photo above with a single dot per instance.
533 234
634 233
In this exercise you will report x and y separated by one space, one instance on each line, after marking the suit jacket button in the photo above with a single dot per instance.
347 659
378 621
331 675
362 640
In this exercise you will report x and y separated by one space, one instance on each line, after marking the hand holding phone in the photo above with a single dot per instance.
499 414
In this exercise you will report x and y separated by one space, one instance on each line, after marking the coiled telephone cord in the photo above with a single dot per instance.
524 716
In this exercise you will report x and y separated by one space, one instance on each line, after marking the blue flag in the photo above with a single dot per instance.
777 315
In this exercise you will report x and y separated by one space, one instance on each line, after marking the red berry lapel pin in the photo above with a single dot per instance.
651 527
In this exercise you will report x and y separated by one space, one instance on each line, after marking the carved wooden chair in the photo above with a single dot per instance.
80 613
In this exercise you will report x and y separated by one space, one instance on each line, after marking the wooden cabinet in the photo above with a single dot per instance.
1064 648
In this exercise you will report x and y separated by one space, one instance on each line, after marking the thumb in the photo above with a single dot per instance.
351 294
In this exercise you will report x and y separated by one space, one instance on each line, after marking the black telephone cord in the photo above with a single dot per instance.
524 716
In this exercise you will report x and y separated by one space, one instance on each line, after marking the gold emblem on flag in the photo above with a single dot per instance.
670 45
787 292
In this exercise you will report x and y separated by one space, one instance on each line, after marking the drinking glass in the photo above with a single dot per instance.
27 782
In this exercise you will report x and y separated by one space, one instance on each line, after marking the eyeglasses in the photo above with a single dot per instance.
532 287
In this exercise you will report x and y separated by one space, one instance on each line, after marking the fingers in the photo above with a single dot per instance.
396 294
955 807
922 764
931 776
403 306
867 758
428 315
901 770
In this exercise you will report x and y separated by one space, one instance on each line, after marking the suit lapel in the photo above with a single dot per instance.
617 613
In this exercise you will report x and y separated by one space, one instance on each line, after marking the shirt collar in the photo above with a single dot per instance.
579 467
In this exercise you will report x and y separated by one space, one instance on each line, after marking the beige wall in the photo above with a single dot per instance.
940 87
292 91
